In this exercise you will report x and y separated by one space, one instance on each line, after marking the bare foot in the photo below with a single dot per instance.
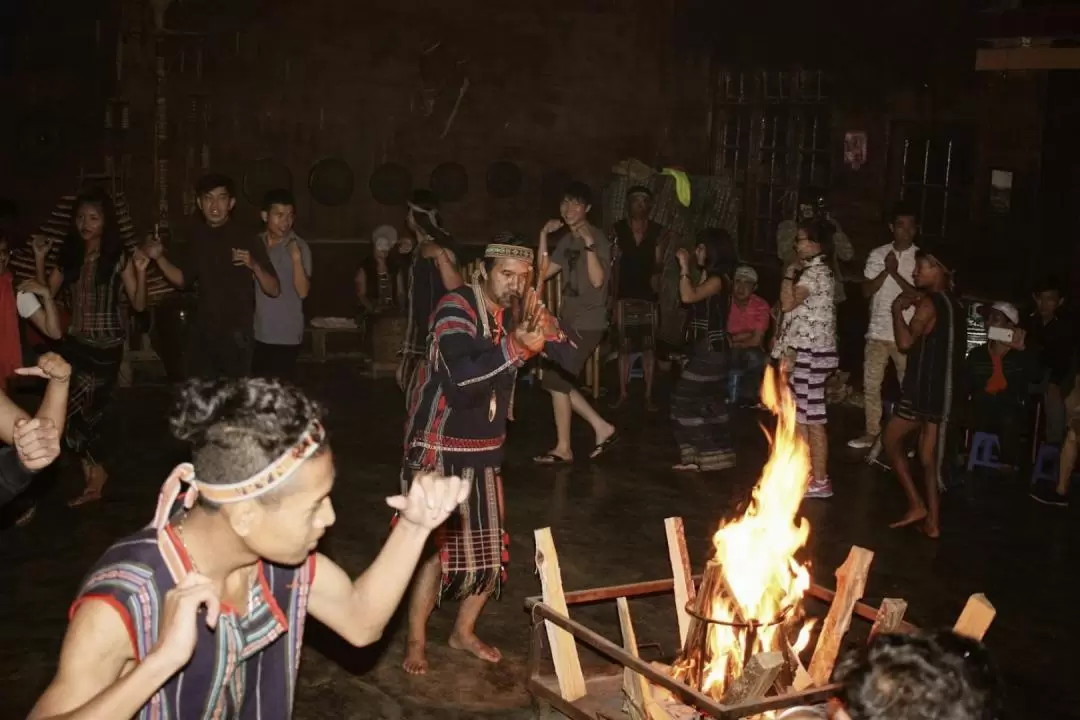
686 467
96 477
932 531
912 517
619 402
415 662
476 646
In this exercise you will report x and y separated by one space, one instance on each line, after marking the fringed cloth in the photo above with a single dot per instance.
473 545
699 412
93 377
637 325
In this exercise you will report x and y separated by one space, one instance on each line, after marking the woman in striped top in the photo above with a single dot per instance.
699 401
98 280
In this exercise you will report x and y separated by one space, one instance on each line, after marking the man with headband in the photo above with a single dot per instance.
935 345
202 613
432 273
480 335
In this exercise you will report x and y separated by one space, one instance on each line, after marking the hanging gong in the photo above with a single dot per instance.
503 179
331 181
264 175
553 185
390 184
449 182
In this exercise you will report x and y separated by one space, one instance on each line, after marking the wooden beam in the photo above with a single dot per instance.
634 685
850 585
976 617
563 646
889 617
757 678
1030 58
681 572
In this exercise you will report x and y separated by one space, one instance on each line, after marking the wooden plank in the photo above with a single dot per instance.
563 646
681 572
757 678
976 617
1031 58
634 685
850 585
889 617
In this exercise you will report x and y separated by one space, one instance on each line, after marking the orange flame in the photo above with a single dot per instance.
757 554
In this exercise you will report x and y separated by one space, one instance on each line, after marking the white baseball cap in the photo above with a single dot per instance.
1008 310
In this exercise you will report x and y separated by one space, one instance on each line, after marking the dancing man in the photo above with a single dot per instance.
464 396
935 346
202 613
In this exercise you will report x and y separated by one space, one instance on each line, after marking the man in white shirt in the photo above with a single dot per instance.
889 272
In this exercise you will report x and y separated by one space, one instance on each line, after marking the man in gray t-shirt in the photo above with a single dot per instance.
279 321
582 262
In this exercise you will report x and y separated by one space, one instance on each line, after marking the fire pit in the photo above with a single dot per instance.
743 624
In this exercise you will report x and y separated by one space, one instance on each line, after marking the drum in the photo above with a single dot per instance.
387 332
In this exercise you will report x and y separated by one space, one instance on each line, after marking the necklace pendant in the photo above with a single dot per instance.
492 406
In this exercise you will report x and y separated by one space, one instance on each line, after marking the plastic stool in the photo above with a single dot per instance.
635 366
984 450
1047 463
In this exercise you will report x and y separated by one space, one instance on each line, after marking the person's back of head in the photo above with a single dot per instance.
935 675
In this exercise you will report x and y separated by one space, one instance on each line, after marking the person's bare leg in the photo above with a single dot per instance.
600 426
819 451
895 432
928 445
624 372
425 591
564 415
1067 463
648 362
95 478
464 634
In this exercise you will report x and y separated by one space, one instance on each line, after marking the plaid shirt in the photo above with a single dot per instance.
98 309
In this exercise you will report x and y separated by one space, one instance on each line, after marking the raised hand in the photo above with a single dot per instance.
683 256
241 258
37 442
530 339
50 366
41 245
1017 342
141 260
180 618
551 226
431 499
33 287
153 248
892 263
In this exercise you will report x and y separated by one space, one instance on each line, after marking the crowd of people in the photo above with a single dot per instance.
158 624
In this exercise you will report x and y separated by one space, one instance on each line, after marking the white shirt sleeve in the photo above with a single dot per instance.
27 303
875 264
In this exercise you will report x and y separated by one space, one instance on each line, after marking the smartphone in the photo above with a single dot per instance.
1000 334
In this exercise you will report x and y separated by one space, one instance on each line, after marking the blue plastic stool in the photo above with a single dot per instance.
635 366
984 451
1047 463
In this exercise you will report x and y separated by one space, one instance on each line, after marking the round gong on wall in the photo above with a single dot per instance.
503 179
450 182
262 176
390 184
331 181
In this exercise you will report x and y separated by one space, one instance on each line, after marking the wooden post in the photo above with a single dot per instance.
756 679
976 617
889 617
634 685
850 585
563 645
681 572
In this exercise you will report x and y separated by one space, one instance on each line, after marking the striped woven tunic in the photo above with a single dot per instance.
246 668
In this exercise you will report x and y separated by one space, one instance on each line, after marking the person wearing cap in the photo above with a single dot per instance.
748 321
481 334
638 247
998 375
890 270
935 343
279 320
376 280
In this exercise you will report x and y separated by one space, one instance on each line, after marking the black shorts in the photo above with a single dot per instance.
907 410
562 380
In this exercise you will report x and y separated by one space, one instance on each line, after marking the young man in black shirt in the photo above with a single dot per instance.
220 258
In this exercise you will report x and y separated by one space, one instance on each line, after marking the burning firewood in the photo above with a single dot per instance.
757 678
850 584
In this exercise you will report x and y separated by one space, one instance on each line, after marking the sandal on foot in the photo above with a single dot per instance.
551 459
603 447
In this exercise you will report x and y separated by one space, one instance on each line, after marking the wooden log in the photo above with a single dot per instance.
976 617
889 617
681 572
850 585
563 645
691 661
756 679
634 685
796 673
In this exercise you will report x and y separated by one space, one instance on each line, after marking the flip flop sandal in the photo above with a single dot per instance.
550 459
88 496
604 446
